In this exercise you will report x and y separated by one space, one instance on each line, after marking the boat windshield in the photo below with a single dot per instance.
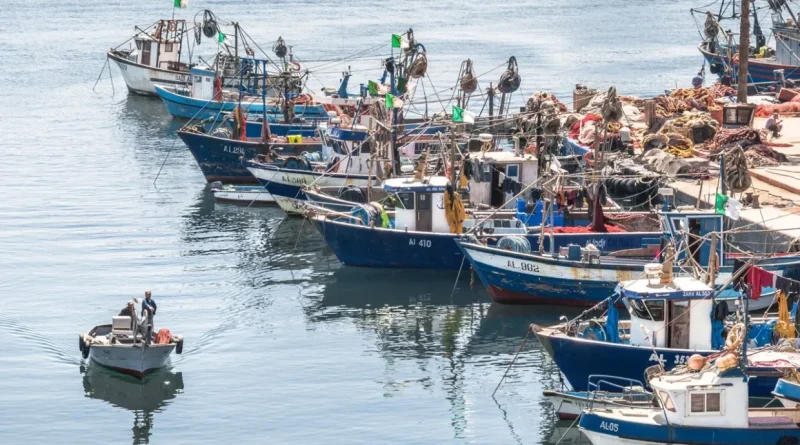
647 309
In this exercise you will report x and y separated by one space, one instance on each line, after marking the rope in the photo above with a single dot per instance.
512 361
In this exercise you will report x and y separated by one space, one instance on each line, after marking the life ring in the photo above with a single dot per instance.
588 158
294 66
345 120
735 336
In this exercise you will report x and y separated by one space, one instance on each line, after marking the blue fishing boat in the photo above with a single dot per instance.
697 407
219 156
765 64
787 390
581 276
669 322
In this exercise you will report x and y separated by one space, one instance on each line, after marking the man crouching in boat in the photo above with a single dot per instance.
138 325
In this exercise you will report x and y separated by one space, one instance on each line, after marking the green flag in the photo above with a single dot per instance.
397 40
177 4
221 37
389 101
458 114
373 87
720 204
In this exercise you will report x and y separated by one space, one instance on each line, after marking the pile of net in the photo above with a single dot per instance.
784 108
753 144
630 110
686 99
727 137
672 143
695 119
634 222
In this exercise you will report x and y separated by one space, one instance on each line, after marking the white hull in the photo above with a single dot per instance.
140 78
136 360
289 205
604 439
244 197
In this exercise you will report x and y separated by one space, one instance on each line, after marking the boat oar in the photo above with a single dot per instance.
512 361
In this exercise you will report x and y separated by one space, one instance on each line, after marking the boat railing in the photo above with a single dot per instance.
617 384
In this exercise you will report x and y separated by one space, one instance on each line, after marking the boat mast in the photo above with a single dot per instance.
744 52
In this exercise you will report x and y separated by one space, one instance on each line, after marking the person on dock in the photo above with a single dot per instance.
774 125
149 310
726 78
697 82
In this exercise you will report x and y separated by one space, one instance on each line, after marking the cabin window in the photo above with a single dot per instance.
407 200
678 224
666 401
138 44
512 171
648 310
705 402
198 79
167 47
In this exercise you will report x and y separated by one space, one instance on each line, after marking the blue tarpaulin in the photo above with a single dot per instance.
612 323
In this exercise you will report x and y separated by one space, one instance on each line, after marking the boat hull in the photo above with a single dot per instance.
220 159
137 361
141 79
579 358
603 429
513 278
246 196
286 185
187 107
758 71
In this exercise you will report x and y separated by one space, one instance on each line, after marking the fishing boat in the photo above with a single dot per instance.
581 276
698 407
156 57
787 391
606 392
765 64
670 321
241 194
116 346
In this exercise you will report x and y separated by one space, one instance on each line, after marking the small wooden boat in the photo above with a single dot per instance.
787 391
241 194
118 347
618 392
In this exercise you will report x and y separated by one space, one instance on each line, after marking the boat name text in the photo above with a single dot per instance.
235 150
609 426
420 243
528 267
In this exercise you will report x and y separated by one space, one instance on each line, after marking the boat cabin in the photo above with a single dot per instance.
202 82
710 398
346 149
161 48
669 315
497 176
686 228
421 203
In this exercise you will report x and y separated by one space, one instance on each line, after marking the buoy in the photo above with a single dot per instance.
80 343
179 348
86 348
696 362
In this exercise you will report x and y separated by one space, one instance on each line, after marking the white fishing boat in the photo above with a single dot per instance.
241 194
118 347
154 57
618 392
706 406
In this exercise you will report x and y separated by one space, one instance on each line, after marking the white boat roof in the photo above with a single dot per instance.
505 156
680 288
432 183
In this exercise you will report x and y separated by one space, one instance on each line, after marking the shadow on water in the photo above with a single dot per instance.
147 118
143 397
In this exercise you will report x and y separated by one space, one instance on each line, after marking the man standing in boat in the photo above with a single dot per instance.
149 310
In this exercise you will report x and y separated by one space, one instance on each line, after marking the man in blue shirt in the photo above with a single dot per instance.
149 310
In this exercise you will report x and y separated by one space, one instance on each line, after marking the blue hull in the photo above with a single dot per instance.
357 245
579 358
183 106
758 72
220 159
616 427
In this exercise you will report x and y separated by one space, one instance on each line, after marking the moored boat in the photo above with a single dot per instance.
242 194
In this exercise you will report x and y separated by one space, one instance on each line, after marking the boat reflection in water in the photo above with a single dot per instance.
144 397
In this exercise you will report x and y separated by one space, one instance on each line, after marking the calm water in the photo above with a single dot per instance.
283 344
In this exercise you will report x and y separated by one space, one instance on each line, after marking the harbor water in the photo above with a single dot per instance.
283 344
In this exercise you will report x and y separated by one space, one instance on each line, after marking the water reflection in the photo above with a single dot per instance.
143 397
